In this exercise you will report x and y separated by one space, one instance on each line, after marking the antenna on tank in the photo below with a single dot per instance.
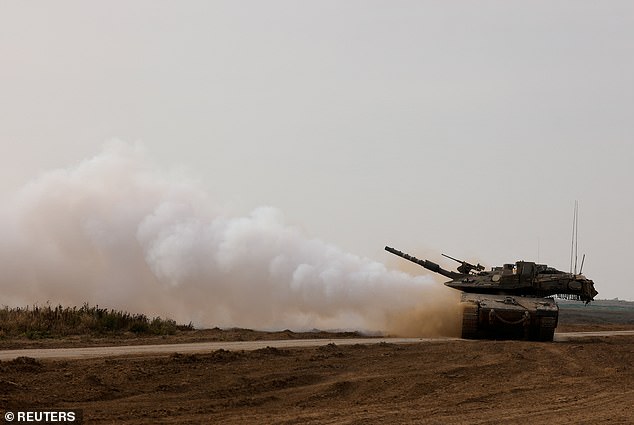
576 233
575 241
572 243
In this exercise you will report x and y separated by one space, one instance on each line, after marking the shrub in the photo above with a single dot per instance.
49 322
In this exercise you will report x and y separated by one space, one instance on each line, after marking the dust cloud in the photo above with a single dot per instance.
117 231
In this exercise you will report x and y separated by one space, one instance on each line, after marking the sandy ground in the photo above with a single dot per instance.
445 382
456 381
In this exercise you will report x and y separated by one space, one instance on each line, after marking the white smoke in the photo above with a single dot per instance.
118 232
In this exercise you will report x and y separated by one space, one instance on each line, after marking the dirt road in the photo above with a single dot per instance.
566 336
202 347
198 347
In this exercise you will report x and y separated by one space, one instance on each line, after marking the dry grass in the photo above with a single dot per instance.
53 322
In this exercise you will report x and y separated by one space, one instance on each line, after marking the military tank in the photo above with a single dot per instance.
515 301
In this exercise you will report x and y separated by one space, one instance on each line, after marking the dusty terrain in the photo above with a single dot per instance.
451 381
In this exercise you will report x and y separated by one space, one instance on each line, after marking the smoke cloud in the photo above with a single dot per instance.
117 231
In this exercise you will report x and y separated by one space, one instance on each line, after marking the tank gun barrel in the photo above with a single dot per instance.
424 263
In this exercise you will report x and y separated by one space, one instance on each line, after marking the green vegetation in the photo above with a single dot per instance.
54 322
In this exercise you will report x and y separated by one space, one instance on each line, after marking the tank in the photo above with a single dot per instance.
515 301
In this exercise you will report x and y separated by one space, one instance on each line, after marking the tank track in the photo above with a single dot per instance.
507 318
470 321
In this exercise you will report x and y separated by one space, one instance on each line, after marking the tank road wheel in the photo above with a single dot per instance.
470 321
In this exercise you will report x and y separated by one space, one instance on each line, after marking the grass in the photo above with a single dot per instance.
53 322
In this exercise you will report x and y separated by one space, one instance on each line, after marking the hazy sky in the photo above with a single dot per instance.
463 127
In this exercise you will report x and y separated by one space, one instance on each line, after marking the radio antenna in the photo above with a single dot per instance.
575 233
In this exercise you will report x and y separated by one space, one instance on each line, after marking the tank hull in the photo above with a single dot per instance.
488 316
